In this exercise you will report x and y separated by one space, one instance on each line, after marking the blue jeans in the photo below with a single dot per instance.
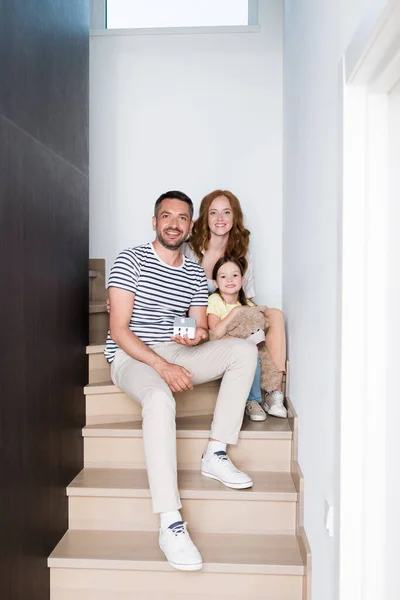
255 391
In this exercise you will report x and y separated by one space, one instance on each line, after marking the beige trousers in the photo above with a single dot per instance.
232 359
275 338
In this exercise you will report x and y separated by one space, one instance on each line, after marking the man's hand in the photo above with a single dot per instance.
200 338
176 377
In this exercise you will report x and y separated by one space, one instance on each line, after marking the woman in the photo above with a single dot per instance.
219 231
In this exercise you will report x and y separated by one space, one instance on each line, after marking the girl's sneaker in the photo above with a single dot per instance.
254 411
273 405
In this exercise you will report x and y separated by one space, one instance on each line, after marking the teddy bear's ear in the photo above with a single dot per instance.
262 308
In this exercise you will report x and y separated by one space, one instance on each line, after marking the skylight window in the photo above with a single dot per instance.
140 14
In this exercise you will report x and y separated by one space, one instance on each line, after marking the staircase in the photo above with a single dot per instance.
252 541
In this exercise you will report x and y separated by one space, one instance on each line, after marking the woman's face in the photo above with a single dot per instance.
220 216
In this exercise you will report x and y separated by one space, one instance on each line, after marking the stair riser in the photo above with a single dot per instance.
98 361
205 515
91 584
248 454
118 407
98 327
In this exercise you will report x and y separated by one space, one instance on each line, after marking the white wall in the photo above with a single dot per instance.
192 112
317 33
393 354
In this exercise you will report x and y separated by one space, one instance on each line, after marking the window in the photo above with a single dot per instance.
138 14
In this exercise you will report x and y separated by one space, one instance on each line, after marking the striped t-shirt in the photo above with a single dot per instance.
161 293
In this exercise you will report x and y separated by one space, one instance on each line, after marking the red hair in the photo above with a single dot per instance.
238 241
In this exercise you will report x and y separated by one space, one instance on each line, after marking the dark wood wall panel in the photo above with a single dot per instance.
44 51
42 43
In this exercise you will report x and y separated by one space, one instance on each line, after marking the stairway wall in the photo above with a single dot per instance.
316 35
44 50
195 112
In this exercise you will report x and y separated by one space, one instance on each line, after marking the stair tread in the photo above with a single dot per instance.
95 348
197 426
106 386
139 550
133 483
97 306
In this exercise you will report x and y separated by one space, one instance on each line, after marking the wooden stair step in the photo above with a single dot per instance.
120 499
106 403
133 483
107 565
138 550
97 306
95 349
195 427
262 446
106 386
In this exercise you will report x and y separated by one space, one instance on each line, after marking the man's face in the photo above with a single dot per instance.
172 223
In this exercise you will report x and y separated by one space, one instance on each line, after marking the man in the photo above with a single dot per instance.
148 287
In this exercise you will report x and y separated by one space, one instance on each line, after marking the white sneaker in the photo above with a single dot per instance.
221 468
254 411
273 405
179 549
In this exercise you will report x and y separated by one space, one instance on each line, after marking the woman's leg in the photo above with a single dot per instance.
275 341
255 392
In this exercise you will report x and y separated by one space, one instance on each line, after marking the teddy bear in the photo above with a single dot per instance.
250 323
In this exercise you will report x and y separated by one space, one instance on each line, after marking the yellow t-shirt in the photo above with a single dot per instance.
218 307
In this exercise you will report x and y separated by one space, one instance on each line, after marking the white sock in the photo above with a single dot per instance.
214 447
167 518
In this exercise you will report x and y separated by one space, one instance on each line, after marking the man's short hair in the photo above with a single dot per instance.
174 195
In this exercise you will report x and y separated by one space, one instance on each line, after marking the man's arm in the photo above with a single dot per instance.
121 308
198 313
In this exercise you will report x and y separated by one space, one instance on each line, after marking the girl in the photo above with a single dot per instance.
228 275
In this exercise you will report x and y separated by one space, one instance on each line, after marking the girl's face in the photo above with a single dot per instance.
229 278
220 216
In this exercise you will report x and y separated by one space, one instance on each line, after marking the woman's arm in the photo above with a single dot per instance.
248 285
219 326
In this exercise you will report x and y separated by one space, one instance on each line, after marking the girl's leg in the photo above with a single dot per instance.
254 410
255 392
275 340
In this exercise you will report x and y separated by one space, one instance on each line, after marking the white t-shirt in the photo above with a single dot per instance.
162 292
249 275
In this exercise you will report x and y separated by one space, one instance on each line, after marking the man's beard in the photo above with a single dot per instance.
169 246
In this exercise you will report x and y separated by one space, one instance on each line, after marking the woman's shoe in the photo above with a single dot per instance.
273 405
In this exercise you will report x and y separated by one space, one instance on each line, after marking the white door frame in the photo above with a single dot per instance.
371 68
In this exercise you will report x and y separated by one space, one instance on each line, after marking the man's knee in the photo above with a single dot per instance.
158 404
243 350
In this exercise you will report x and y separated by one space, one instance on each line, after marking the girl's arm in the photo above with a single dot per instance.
219 326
